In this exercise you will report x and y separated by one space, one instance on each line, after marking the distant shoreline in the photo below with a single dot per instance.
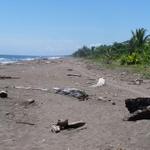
9 59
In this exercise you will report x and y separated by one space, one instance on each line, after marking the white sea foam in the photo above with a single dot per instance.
54 57
7 59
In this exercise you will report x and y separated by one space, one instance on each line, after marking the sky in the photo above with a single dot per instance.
60 27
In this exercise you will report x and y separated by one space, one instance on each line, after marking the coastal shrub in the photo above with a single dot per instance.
136 50
146 58
132 59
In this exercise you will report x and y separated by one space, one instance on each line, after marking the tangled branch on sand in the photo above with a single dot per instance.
31 88
25 122
2 77
62 125
74 75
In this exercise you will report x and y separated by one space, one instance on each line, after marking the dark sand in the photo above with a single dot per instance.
105 128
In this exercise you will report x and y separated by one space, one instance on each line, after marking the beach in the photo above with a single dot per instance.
103 112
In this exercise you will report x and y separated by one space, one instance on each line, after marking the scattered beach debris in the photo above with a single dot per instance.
137 103
3 94
74 75
10 115
101 82
25 122
29 102
7 77
139 115
139 108
72 92
70 69
30 88
136 82
64 124
123 73
101 99
112 102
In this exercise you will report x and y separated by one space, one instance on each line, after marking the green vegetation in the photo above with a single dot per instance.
133 52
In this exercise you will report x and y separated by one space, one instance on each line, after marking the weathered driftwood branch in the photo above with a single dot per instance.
75 75
139 115
31 88
24 122
135 104
63 125
8 77
3 94
139 108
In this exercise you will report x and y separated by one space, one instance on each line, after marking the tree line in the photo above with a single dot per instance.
136 50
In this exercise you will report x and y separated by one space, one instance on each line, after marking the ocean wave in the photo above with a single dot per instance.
7 59
54 57
8 62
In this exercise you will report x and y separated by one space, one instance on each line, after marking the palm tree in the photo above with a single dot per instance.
138 40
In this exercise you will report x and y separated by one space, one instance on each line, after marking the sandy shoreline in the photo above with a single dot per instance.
105 127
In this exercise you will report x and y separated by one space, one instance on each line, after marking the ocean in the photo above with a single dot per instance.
6 59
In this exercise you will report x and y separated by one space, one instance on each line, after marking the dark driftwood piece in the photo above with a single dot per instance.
24 122
139 115
63 125
28 102
75 75
137 103
3 94
139 108
8 77
77 124
70 69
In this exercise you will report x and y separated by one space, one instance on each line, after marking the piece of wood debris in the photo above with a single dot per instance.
70 69
136 82
25 122
3 94
74 75
63 125
28 102
31 88
138 115
8 77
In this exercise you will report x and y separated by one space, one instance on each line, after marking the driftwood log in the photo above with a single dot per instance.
31 88
7 77
63 125
139 115
3 94
75 75
139 108
25 122
137 103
